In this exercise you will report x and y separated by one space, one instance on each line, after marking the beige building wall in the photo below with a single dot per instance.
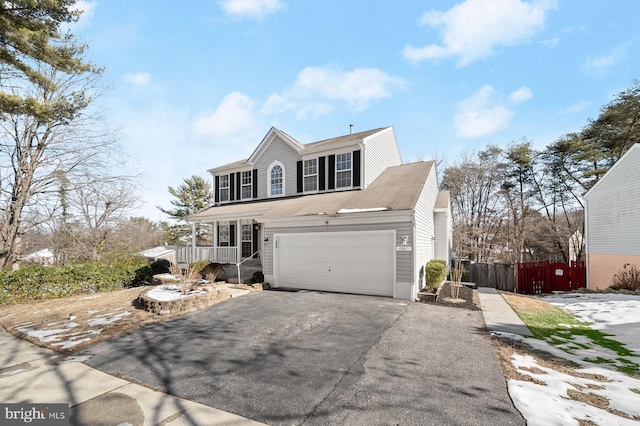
602 268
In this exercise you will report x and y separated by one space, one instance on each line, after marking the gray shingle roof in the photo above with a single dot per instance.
397 188
442 200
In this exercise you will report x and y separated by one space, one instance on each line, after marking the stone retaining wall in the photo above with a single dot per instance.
190 303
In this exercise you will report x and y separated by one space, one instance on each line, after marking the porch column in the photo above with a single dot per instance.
215 240
239 240
193 242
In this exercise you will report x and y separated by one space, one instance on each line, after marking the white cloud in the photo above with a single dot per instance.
473 29
256 9
602 63
234 116
317 90
520 95
139 79
481 114
88 11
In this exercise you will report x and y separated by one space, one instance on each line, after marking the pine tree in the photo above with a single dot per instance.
192 196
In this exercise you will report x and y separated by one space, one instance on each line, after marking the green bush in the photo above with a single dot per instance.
37 282
258 277
435 272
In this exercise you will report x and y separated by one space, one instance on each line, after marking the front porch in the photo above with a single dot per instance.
233 243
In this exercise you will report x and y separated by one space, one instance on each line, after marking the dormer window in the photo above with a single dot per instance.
224 188
343 170
310 175
246 192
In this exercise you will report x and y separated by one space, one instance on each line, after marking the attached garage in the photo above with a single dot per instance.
361 262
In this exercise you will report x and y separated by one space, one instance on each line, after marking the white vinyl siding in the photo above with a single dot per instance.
443 236
280 152
380 151
425 227
612 212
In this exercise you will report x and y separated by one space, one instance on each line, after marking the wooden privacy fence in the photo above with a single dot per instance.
545 277
500 276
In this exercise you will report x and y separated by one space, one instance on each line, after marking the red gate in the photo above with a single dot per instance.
545 277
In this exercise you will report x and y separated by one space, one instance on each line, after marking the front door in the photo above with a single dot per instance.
247 240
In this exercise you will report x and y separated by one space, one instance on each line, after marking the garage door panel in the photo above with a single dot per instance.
351 262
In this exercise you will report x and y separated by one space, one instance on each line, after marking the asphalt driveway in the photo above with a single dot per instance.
321 358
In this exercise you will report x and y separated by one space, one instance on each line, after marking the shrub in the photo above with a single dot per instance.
627 278
212 270
198 267
50 282
160 266
258 277
435 272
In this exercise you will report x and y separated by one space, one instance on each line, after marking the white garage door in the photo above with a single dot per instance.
360 262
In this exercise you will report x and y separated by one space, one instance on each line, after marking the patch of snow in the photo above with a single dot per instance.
90 297
165 293
71 343
8 316
94 311
552 394
372 209
107 319
615 314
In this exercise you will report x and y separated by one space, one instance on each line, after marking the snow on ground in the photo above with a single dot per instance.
547 400
616 314
167 293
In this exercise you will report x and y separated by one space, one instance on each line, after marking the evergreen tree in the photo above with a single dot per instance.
192 196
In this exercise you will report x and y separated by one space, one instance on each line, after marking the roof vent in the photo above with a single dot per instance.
350 129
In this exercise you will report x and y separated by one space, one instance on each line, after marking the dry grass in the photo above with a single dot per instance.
56 314
522 302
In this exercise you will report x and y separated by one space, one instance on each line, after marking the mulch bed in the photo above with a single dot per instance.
467 298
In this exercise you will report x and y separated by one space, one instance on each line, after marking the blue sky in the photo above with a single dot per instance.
197 85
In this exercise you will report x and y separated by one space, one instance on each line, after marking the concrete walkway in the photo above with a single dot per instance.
30 374
498 315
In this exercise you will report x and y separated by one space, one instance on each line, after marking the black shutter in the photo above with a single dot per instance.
321 173
355 168
299 177
232 187
238 186
254 181
232 235
332 172
216 189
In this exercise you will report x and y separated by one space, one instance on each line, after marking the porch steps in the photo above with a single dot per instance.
246 270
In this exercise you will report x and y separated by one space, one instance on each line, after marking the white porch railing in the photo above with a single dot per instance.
186 254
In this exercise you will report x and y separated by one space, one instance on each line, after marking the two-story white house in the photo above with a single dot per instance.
342 214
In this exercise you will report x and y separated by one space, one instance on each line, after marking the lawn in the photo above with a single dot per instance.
76 322
572 372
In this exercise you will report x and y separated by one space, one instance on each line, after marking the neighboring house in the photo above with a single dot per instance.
612 220
343 214
160 252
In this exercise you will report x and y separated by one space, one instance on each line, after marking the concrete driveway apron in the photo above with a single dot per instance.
319 358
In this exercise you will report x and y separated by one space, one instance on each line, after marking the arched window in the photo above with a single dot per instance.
276 179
